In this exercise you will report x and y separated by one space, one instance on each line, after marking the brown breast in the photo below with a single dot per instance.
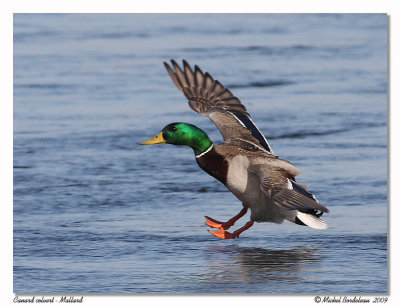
214 164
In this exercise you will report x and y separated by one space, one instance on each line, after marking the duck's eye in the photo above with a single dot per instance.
173 129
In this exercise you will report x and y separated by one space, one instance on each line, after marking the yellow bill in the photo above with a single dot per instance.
156 139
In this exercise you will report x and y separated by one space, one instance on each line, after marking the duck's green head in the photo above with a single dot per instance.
180 133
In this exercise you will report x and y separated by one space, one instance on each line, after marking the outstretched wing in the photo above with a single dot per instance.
274 182
209 98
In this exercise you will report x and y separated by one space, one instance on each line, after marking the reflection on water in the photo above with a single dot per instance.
233 263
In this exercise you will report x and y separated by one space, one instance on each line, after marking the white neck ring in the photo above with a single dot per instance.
205 152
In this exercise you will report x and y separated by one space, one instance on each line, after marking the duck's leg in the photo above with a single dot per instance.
221 233
225 225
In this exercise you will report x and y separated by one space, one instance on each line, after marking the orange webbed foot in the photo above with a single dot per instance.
223 234
216 224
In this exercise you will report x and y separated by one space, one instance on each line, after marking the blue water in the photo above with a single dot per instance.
94 212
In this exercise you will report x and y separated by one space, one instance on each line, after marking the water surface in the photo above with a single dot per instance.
94 212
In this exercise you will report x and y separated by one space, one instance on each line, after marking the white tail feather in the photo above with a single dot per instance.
311 220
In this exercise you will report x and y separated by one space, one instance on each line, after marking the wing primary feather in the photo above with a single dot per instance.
173 76
224 94
204 82
229 99
217 88
209 81
189 74
198 76
187 92
198 69
180 75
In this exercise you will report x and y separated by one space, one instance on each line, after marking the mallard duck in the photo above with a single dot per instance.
244 162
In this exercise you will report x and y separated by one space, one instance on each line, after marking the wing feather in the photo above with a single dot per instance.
180 75
293 200
209 97
174 77
275 184
189 75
